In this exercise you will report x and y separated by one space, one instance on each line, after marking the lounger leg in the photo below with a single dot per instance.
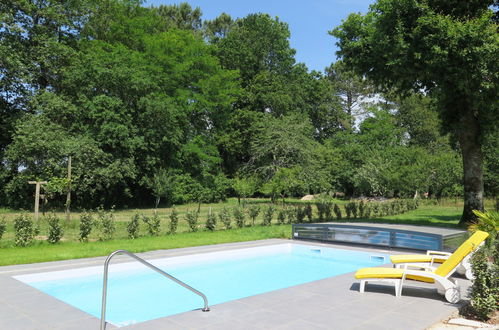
362 286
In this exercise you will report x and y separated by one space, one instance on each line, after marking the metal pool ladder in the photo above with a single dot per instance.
145 263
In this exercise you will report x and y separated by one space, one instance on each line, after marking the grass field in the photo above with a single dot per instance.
445 214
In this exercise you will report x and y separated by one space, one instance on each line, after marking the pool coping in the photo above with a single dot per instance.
332 302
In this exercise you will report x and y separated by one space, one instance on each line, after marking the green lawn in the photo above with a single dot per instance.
445 214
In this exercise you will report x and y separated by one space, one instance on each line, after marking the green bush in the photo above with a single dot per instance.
281 217
173 221
224 217
106 224
362 209
240 216
24 230
86 225
485 286
267 215
133 226
488 222
192 220
376 210
308 212
3 227
153 224
367 211
337 211
292 215
211 221
300 214
253 212
348 211
55 229
353 209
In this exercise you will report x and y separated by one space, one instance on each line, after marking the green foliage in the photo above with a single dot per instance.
485 287
300 214
133 226
253 212
292 214
267 215
225 218
281 216
153 224
211 221
24 229
106 224
244 187
192 220
86 225
337 211
324 209
308 212
240 216
3 227
173 221
488 222
55 231
411 45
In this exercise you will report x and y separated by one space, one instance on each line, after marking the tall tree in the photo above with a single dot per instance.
446 48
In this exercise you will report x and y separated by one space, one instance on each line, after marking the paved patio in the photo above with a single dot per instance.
332 303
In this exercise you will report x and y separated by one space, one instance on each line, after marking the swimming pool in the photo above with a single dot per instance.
137 294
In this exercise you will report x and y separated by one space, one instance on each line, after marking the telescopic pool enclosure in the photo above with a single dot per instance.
382 235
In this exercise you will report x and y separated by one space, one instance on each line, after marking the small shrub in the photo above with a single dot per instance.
55 229
320 210
192 220
308 212
353 209
367 211
281 217
211 221
173 221
133 227
300 214
348 211
3 227
240 216
267 215
362 209
224 217
292 215
337 211
376 210
106 224
488 222
485 286
24 229
153 224
385 209
86 225
253 212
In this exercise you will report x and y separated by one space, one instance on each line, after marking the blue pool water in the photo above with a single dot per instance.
137 294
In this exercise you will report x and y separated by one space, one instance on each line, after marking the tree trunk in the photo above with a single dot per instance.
469 139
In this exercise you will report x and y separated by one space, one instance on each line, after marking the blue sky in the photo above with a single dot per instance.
308 21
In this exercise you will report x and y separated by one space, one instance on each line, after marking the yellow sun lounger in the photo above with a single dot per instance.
439 276
433 259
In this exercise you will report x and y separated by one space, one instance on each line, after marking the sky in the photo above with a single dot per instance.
309 21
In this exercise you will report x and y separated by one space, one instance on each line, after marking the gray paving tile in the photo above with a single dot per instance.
332 303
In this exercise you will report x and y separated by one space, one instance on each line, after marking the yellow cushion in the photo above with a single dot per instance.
466 248
383 272
402 258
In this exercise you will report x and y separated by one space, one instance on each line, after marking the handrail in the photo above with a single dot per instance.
145 263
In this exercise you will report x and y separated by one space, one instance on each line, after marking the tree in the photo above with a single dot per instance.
448 49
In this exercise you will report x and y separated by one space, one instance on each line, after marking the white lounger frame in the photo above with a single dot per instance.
464 267
445 285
